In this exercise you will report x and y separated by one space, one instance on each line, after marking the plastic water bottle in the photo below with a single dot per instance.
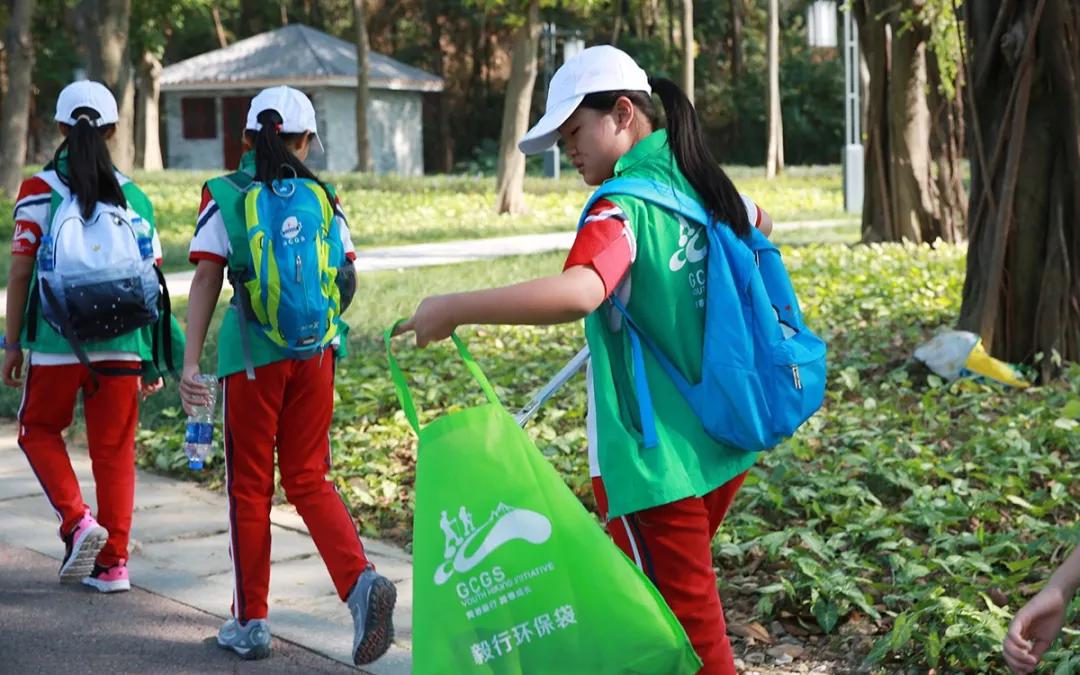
143 237
199 433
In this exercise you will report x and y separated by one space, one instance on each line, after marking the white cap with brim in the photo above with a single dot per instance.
297 113
86 94
596 69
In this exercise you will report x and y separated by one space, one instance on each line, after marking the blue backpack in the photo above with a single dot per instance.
763 370
292 278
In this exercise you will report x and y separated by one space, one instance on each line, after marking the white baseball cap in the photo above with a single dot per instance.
297 113
596 69
86 94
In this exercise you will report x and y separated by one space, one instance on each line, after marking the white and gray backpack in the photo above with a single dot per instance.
97 277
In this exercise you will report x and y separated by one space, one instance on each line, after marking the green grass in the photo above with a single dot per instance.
389 210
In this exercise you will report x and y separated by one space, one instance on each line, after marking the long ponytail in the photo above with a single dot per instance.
273 159
696 162
90 174
687 141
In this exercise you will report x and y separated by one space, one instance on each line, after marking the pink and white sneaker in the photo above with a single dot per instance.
81 548
109 579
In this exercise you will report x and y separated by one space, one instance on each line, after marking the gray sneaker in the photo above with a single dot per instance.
250 641
371 603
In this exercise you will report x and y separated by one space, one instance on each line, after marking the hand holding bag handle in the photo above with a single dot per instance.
402 387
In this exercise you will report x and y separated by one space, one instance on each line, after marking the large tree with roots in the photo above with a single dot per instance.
1022 291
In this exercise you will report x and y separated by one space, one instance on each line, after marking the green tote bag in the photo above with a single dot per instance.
511 574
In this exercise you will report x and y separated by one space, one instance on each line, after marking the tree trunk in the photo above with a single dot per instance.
219 28
147 116
363 147
1022 291
911 190
912 174
104 30
946 153
875 38
688 48
510 175
444 141
774 159
14 114
736 40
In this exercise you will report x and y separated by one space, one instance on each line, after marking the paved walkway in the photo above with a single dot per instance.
425 255
179 551
468 250
49 628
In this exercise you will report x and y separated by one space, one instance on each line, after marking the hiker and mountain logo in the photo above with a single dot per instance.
467 545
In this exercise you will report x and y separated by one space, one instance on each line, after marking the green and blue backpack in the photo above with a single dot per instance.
291 277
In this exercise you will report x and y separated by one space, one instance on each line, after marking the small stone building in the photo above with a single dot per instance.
206 97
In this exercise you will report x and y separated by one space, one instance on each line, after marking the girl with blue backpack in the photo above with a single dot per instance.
82 218
662 482
283 238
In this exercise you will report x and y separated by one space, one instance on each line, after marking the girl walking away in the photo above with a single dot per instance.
663 498
282 236
78 223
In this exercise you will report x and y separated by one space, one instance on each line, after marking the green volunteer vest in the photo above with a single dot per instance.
48 340
227 192
667 290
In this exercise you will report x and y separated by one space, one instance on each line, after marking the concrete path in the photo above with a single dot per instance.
180 551
468 250
49 628
424 255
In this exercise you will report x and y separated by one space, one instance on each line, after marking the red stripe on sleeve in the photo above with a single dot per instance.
195 256
32 187
602 244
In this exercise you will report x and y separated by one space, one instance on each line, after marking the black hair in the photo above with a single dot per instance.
718 194
90 174
273 158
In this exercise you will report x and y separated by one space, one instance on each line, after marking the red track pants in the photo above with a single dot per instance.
672 544
288 406
112 413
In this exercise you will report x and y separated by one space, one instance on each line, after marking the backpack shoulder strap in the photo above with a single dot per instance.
55 183
671 199
664 196
229 193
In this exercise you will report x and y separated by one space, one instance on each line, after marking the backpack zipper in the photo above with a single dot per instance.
299 267
795 376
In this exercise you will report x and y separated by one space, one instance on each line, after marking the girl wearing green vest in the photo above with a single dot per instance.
95 550
284 405
663 504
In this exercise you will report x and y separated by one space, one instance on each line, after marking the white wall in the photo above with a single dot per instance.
395 132
184 153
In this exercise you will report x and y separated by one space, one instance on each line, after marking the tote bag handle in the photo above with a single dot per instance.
402 387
